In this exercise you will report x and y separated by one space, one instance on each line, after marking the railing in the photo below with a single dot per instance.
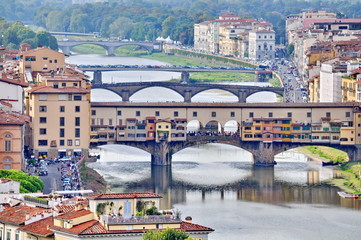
141 219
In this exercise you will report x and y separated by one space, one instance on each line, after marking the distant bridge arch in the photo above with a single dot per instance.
109 46
187 91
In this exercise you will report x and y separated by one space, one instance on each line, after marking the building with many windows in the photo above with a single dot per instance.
59 120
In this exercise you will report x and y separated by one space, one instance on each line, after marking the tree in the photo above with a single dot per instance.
27 183
138 33
168 234
46 39
121 27
168 26
290 49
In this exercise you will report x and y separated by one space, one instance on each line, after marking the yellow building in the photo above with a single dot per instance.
350 87
314 89
163 130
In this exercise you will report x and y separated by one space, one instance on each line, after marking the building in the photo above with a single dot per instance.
12 143
262 44
39 60
230 35
9 186
59 113
13 218
12 93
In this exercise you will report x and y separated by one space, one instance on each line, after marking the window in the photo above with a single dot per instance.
8 235
77 121
62 121
70 97
77 97
43 97
70 142
348 114
43 142
62 143
42 131
77 132
233 114
289 114
93 121
62 108
175 114
110 121
309 114
30 59
45 58
94 112
77 108
42 119
7 146
328 114
56 61
17 235
75 84
7 166
270 114
62 97
77 143
101 121
61 132
63 84
56 85
137 113
42 108
214 114
119 113
195 114
251 114
157 113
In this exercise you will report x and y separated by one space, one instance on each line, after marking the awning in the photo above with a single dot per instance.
77 150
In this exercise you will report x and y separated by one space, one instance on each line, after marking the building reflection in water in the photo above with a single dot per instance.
259 186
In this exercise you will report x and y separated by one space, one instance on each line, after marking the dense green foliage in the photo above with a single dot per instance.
148 19
168 234
28 183
15 33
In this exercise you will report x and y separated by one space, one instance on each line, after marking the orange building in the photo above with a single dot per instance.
12 127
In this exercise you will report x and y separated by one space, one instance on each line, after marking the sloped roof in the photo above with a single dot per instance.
18 215
40 228
74 214
48 89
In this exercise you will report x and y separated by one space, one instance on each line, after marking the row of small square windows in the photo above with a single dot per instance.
232 114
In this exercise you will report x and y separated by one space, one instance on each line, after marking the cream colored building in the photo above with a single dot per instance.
59 118
40 60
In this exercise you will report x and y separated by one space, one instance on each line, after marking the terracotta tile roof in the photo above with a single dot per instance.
12 118
5 79
48 89
91 227
74 214
40 228
18 215
123 195
65 208
191 227
5 180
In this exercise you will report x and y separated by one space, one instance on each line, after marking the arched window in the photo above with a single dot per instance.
7 135
7 160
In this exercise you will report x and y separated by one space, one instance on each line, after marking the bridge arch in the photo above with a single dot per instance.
347 150
90 43
255 96
231 127
194 126
169 94
104 95
108 90
227 95
142 46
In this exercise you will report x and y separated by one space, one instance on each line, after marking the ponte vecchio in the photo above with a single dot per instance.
263 129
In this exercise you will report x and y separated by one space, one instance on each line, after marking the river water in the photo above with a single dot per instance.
217 185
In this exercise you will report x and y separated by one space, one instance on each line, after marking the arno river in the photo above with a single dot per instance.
218 186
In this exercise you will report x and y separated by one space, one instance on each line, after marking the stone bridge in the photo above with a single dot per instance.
263 153
188 90
109 46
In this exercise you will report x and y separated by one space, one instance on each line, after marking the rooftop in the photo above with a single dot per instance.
19 214
74 214
40 228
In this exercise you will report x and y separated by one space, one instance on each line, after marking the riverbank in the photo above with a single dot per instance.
347 176
90 178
